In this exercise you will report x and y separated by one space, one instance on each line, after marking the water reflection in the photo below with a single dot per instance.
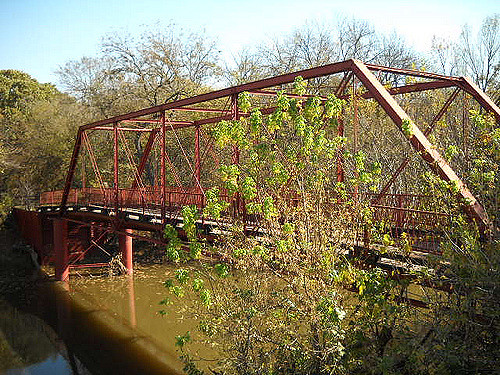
54 365
105 325
131 301
116 321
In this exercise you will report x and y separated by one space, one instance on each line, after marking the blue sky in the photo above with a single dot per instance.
37 36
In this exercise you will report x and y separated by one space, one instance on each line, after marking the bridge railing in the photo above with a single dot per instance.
409 213
144 198
403 210
415 211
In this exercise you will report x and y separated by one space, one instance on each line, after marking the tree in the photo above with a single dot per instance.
246 66
37 128
95 83
275 302
279 298
17 90
480 55
164 64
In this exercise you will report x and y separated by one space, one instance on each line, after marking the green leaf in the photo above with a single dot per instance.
205 297
182 275
244 101
221 269
198 284
182 340
299 86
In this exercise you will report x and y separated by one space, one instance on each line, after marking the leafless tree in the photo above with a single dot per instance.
245 66
480 55
163 64
160 65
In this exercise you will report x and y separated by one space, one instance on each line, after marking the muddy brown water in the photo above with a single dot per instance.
108 325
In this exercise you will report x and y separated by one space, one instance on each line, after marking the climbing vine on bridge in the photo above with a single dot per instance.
286 288
278 284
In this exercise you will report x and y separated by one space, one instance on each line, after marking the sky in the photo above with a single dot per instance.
38 36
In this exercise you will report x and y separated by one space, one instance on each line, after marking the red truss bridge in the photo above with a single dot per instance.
131 174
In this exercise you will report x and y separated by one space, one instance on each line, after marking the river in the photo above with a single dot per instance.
95 324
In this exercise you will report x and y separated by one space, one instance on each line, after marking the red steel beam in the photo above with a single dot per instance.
71 170
193 109
261 84
329 69
179 126
415 87
467 85
419 86
153 121
123 129
420 142
411 72
275 93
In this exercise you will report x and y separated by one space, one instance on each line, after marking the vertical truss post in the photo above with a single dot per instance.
465 125
235 115
197 160
115 167
355 121
162 166
61 249
84 173
340 158
235 159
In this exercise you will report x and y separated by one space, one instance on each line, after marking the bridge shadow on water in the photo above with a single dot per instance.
97 324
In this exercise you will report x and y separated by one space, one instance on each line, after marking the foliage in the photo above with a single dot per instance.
277 302
299 297
37 127
282 301
164 63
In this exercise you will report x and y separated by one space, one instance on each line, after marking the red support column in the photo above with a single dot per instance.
115 163
125 242
197 161
61 249
163 171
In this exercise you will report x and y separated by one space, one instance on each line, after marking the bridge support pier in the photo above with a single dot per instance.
125 242
61 249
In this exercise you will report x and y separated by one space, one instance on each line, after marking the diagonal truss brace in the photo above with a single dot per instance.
419 141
